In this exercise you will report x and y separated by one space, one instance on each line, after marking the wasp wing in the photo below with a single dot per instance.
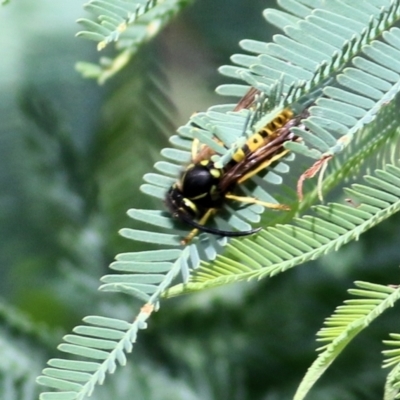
269 151
247 100
204 152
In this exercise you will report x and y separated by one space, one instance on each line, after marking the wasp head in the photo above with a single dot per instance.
178 204
195 193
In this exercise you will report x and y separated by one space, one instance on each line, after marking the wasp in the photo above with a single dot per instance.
203 187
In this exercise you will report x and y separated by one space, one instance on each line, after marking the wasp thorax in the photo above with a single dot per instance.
200 180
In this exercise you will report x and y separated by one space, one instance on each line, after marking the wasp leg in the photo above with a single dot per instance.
195 231
252 200
262 166
195 148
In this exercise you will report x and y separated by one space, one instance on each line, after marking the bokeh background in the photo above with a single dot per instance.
72 157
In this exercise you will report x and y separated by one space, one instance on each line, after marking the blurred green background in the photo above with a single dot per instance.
72 157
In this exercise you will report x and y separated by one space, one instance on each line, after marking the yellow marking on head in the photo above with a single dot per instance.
204 163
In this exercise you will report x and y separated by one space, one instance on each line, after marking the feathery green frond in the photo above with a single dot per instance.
279 248
309 45
339 111
392 356
228 127
346 323
104 342
375 145
349 97
391 384
129 23
320 64
392 360
337 114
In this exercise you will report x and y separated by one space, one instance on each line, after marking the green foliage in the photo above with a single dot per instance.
314 73
347 322
284 246
128 23
331 88
339 61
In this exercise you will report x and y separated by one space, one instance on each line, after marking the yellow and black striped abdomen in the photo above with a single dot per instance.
267 133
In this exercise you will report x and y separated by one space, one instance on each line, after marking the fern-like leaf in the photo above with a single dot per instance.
349 98
279 248
392 356
308 67
130 23
392 359
346 323
377 143
105 341
331 127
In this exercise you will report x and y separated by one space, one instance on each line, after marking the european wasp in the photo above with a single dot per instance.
203 188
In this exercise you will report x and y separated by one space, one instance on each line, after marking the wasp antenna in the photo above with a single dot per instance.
216 231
